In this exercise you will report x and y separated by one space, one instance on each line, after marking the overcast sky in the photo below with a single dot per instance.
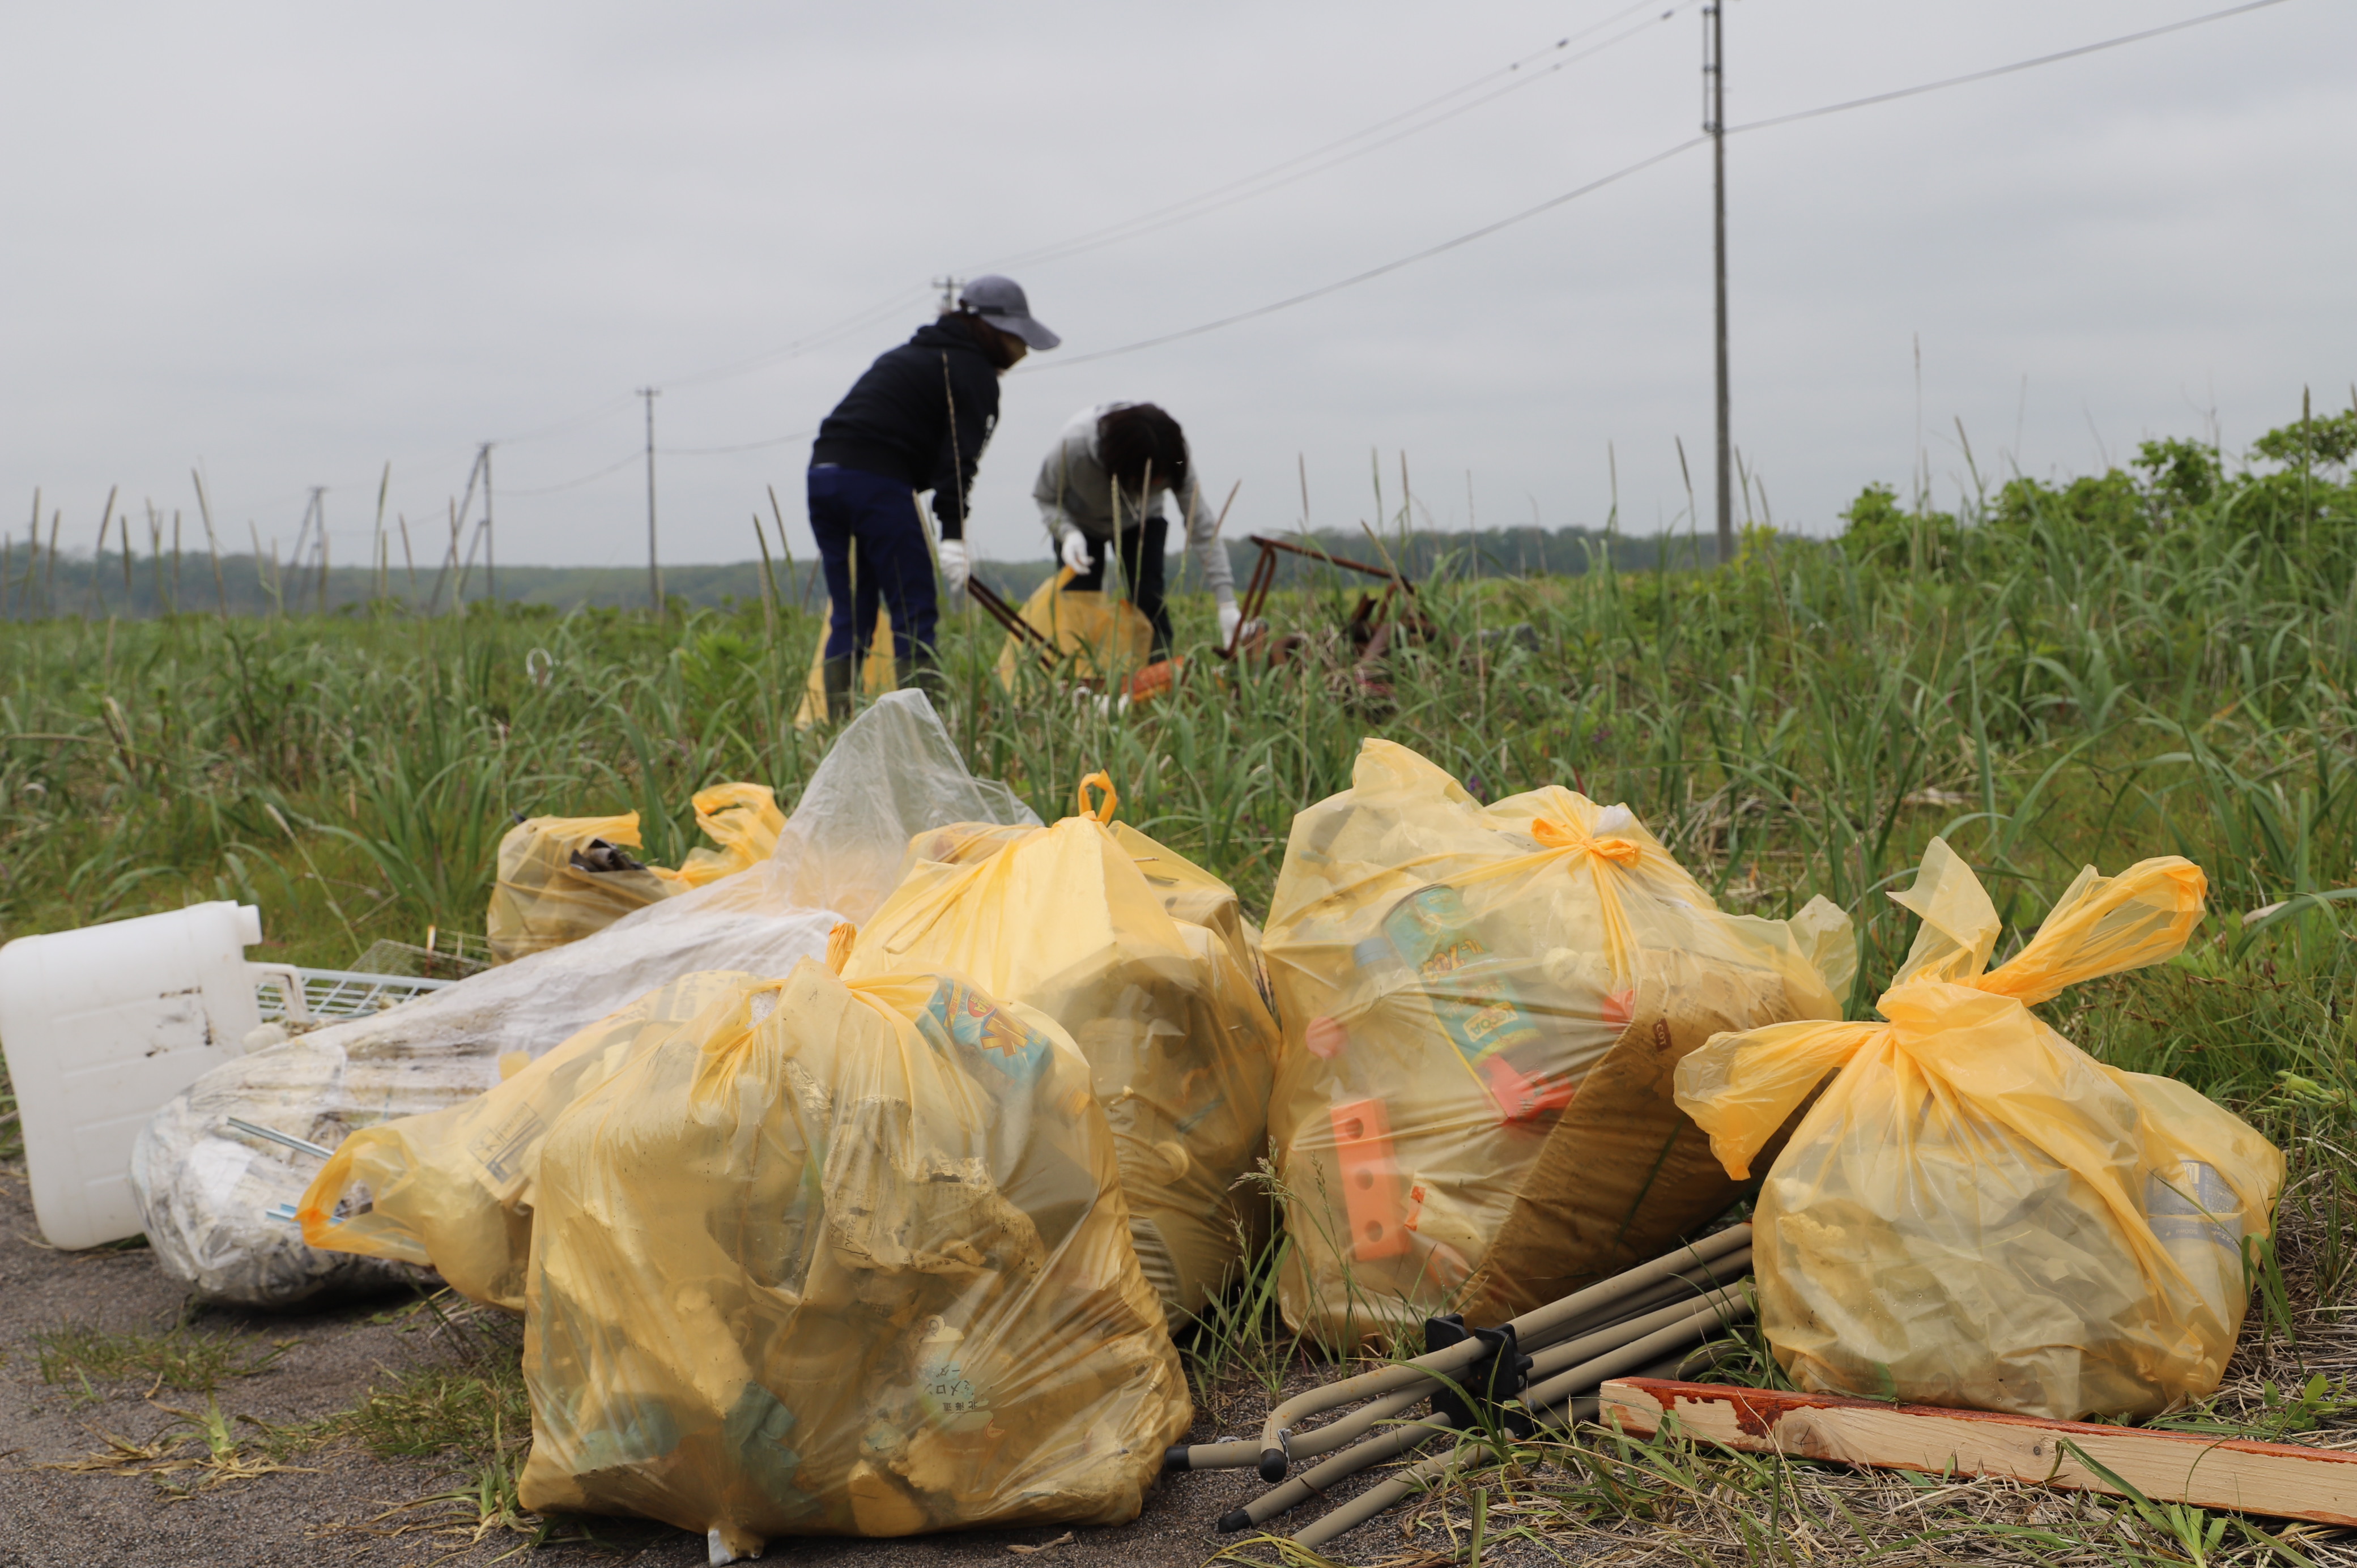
291 243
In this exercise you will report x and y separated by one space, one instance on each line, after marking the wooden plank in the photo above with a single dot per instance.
2280 1479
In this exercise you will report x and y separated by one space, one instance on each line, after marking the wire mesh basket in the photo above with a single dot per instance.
329 994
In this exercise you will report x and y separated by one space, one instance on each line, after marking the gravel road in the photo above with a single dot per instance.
81 1519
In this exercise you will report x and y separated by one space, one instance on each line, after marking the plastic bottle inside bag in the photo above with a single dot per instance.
2199 1220
945 1390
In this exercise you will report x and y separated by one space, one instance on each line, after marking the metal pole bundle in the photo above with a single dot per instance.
1618 1325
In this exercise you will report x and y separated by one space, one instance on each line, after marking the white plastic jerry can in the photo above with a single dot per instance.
102 1027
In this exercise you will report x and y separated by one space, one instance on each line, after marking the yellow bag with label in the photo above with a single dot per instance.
1976 1212
453 1189
1483 1008
1108 638
561 878
842 1258
1147 962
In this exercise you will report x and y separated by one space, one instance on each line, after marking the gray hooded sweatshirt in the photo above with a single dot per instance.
1075 493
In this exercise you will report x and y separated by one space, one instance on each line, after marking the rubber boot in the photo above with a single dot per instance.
919 672
836 675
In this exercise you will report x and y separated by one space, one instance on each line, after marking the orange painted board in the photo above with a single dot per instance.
2280 1479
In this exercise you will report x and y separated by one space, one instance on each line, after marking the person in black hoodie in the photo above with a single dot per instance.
917 420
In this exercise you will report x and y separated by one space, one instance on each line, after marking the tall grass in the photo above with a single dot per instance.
2044 683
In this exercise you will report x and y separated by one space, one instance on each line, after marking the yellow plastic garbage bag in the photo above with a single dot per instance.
845 1259
1482 1008
1106 638
877 673
453 1189
1976 1212
1145 960
561 878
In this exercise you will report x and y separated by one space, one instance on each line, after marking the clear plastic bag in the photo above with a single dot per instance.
452 1190
219 1205
1976 1212
1483 1008
843 1259
1146 960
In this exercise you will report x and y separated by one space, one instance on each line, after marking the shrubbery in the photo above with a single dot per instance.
2291 489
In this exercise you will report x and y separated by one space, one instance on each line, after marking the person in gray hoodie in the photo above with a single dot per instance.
1100 490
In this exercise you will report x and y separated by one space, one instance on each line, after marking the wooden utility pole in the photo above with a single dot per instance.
317 515
1714 72
654 572
490 555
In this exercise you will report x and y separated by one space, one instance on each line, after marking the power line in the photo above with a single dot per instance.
2004 69
1250 186
614 467
1259 183
1666 154
802 344
1357 278
740 446
1290 170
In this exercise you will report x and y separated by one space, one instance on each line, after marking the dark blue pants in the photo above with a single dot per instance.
871 544
1141 563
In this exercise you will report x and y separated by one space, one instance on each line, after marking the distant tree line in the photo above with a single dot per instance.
37 581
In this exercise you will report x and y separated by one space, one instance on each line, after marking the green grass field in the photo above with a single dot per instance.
2163 659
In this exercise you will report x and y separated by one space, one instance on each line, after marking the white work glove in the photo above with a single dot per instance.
1077 554
955 568
1231 617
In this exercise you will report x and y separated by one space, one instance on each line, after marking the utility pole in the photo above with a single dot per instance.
490 556
1714 74
654 572
319 497
948 286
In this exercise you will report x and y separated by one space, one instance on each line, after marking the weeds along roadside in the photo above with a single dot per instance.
2049 693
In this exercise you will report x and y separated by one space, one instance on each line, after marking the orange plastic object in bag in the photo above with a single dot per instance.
1503 992
1976 1212
1371 1197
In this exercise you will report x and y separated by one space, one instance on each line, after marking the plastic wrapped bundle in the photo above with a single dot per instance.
219 1204
563 879
1147 962
453 1189
1976 1212
1483 1009
843 1259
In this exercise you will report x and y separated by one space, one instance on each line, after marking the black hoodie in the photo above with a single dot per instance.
922 414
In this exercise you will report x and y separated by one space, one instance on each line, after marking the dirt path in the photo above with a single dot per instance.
83 1520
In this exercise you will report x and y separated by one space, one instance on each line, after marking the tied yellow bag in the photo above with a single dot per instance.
1146 960
1106 638
843 1259
452 1190
1976 1212
1482 1008
561 878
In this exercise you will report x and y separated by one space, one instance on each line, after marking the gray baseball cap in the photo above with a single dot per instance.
1000 302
